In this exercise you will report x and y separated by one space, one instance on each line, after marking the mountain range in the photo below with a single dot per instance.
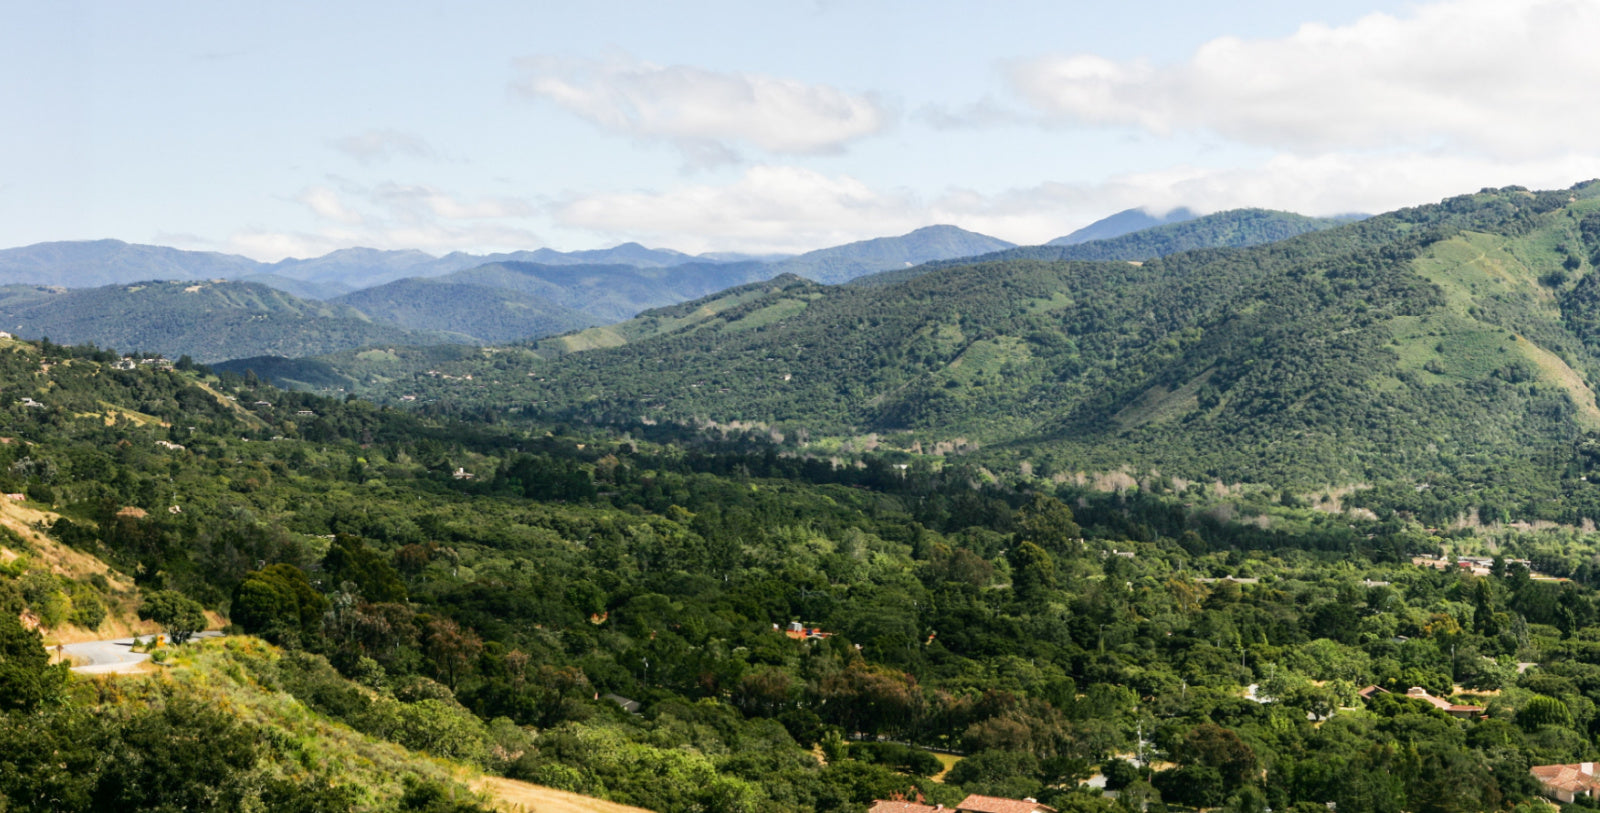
302 307
1435 343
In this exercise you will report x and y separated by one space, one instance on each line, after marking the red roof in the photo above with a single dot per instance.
883 806
995 804
1570 778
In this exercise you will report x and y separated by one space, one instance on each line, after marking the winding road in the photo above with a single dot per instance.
112 656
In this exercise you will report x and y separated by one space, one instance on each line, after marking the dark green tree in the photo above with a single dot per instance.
26 677
178 614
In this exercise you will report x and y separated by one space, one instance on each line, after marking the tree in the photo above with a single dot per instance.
1033 573
178 614
1213 746
350 560
451 649
279 604
26 676
1541 710
1048 523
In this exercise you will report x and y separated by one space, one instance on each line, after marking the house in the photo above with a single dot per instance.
800 632
1464 712
1419 693
124 364
1565 783
169 445
305 413
32 404
994 804
902 806
461 474
628 705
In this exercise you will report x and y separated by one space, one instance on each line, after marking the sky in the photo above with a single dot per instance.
294 129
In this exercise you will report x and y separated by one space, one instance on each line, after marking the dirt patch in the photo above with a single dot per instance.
511 796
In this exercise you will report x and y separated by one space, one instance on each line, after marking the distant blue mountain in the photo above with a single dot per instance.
1127 221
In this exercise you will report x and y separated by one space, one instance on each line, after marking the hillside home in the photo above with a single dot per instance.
994 804
1419 693
800 632
902 806
1565 783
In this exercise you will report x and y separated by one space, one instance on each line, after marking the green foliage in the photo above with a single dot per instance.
350 560
210 321
279 604
26 677
178 614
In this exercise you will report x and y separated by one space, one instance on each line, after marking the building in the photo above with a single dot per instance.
1565 783
801 632
1419 693
902 806
994 804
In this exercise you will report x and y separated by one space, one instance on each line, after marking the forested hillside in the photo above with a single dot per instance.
209 321
489 315
1448 346
494 593
1237 228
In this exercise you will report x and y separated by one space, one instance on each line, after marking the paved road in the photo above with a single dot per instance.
112 656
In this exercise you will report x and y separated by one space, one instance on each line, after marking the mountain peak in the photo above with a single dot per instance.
1126 221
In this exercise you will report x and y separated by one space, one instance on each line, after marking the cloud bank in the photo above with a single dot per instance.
707 114
1497 77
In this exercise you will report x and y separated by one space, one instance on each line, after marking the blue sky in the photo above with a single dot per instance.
299 128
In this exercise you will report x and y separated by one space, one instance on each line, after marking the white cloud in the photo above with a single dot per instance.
1501 77
380 145
394 216
769 208
326 204
790 209
704 112
414 202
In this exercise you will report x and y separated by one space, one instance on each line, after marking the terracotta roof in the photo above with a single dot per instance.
1439 702
1570 778
884 806
995 804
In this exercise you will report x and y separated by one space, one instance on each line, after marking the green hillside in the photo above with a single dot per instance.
208 321
399 628
604 613
1429 344
843 263
1236 228
488 315
612 293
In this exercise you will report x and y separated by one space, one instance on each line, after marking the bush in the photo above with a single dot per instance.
902 758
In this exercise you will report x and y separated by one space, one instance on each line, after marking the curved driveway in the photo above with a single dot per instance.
111 656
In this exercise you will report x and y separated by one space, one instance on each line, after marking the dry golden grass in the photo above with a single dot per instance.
511 796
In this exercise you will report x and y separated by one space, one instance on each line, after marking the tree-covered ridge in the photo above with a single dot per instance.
486 314
1235 228
1431 345
929 244
1040 632
208 320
